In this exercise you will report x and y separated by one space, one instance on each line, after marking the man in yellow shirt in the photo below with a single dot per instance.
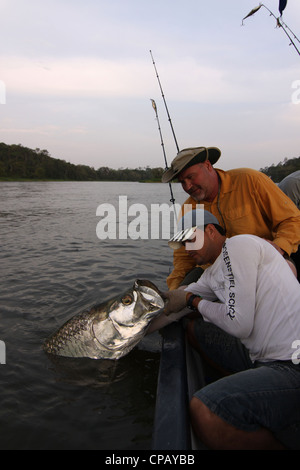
245 201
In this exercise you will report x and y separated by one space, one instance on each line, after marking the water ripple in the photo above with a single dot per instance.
52 267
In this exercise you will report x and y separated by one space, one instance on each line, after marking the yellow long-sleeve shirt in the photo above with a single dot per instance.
248 203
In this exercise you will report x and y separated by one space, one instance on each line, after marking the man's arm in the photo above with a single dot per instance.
238 268
183 264
282 213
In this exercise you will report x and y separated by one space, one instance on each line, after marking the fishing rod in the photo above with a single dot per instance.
159 128
280 24
163 147
163 96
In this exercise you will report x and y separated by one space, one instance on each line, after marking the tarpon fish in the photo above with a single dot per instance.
112 329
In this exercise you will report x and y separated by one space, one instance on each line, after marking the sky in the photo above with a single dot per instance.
76 79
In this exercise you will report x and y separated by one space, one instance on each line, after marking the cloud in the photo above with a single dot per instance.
70 77
79 78
187 79
43 130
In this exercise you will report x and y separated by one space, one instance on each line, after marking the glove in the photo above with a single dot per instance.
175 301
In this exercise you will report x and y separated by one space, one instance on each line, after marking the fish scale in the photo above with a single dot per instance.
75 326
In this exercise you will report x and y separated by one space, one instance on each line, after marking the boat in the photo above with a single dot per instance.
181 373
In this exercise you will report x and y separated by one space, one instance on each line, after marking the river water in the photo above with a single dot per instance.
53 266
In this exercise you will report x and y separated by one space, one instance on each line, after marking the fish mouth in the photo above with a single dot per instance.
146 284
150 293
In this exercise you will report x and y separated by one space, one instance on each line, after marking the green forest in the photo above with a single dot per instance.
282 169
22 163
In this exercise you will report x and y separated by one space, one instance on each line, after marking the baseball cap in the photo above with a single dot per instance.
197 218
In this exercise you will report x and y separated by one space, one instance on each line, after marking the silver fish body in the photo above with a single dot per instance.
110 330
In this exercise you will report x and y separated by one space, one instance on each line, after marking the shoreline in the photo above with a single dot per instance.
30 180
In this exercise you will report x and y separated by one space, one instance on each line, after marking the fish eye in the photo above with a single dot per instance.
127 300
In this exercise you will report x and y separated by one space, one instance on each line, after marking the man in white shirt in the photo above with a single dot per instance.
248 302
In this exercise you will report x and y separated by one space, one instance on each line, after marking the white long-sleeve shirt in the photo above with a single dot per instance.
259 297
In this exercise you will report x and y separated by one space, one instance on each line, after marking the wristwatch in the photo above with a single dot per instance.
190 302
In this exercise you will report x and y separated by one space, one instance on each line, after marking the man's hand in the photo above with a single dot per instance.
176 301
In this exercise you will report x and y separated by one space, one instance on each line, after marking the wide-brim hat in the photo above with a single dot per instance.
189 157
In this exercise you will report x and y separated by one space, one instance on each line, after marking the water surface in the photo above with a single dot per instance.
52 267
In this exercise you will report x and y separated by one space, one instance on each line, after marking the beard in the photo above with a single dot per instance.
197 193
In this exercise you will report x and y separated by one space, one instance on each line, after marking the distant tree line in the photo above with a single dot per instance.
18 162
282 169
